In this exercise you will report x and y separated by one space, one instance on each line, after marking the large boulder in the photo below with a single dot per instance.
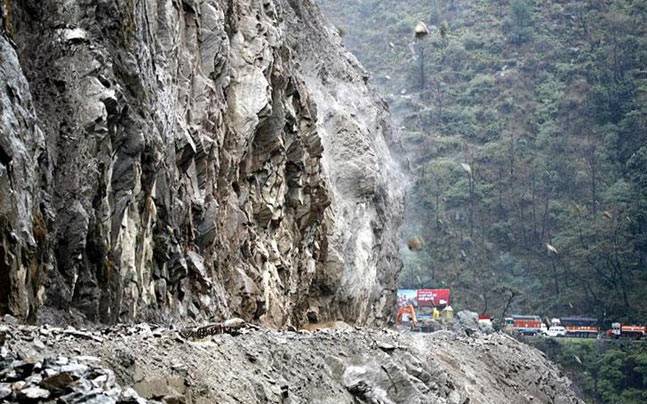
466 322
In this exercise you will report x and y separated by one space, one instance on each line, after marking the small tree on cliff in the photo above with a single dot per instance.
519 25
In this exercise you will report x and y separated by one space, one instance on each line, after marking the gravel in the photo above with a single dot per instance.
133 364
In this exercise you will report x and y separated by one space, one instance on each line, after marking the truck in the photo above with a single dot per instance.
528 325
619 330
485 319
582 327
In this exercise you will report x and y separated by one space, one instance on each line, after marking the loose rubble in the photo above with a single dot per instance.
148 363
465 323
60 379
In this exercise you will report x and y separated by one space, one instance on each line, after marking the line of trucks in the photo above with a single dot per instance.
581 327
418 306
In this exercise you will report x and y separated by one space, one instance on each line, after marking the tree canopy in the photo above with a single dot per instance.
545 102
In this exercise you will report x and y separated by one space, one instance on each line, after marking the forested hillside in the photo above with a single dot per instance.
603 372
525 126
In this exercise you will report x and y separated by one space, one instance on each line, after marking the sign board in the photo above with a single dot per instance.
423 297
406 297
432 297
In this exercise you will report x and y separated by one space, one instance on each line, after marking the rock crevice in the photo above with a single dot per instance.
170 159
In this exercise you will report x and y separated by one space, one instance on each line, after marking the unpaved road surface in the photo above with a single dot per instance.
261 366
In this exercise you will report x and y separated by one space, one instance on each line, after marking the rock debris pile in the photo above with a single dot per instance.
60 379
29 372
349 365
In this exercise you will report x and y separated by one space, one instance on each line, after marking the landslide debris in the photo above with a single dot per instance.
350 365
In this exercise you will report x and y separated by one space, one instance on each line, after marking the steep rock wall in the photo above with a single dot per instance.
367 187
191 159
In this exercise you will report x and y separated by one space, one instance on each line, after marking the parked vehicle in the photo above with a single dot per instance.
418 306
485 320
527 325
555 331
583 327
619 330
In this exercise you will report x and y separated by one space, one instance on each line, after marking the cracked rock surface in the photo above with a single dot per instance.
344 365
191 159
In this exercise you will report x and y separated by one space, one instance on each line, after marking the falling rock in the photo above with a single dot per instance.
415 243
421 30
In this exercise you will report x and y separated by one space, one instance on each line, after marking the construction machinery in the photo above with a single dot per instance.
408 311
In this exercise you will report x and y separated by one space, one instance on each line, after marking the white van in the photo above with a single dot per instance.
555 331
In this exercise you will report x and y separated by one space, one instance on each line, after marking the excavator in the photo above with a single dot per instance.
410 311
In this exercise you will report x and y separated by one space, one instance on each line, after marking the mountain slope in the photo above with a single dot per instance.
525 123
165 159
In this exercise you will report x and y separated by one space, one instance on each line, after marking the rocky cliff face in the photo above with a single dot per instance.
194 159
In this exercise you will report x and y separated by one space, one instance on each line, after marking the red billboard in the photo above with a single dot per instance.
432 297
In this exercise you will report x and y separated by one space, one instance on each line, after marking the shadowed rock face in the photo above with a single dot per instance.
195 159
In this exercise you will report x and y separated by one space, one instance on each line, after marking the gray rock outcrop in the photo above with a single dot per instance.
466 321
192 159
